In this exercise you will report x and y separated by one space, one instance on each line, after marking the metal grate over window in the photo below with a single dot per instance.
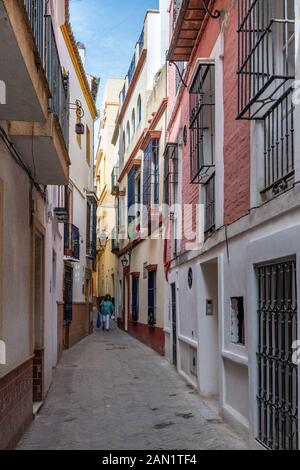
152 298
266 54
277 397
151 174
210 207
171 174
202 124
135 299
279 144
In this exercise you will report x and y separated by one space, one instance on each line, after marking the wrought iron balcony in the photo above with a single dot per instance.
36 15
72 242
189 17
48 59
131 70
141 41
266 54
58 84
114 181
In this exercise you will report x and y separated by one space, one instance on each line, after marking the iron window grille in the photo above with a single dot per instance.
180 69
135 299
277 397
131 197
210 207
266 54
171 174
151 175
279 144
71 242
202 124
152 298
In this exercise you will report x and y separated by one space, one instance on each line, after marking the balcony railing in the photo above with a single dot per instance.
48 58
266 55
131 70
114 181
141 41
58 85
72 242
36 14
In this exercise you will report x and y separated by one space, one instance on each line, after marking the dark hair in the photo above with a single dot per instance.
107 297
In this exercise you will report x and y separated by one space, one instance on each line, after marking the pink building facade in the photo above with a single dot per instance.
230 176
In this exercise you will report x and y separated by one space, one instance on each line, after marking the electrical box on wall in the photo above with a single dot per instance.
209 308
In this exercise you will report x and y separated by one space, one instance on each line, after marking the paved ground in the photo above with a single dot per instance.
111 392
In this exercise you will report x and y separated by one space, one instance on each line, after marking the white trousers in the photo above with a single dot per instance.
106 321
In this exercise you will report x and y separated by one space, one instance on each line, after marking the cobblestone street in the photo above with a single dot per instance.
112 392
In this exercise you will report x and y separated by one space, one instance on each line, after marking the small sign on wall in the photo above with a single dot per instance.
209 308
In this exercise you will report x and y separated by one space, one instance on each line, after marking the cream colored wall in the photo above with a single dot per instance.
106 160
151 251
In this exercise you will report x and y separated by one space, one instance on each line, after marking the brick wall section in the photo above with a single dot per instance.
38 376
15 405
237 133
80 326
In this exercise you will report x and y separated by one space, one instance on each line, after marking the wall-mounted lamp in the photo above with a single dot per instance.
77 106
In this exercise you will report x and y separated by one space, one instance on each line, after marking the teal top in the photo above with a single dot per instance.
107 307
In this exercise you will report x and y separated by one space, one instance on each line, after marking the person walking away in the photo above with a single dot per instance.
107 309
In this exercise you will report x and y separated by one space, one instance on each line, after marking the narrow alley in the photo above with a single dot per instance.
112 392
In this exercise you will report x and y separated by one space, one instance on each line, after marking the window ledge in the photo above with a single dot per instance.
237 358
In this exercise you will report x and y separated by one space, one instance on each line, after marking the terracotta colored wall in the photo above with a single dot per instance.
237 133
15 405
152 337
80 327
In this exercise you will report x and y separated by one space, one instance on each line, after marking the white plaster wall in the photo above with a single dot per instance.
81 173
16 323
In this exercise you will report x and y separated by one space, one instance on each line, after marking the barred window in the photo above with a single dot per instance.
202 124
151 174
279 144
266 54
210 207
152 298
135 298
171 174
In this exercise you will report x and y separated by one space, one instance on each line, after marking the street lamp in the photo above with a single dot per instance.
125 261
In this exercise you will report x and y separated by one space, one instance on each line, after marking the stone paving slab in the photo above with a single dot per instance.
111 392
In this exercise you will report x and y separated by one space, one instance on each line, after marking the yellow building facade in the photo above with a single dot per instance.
106 173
